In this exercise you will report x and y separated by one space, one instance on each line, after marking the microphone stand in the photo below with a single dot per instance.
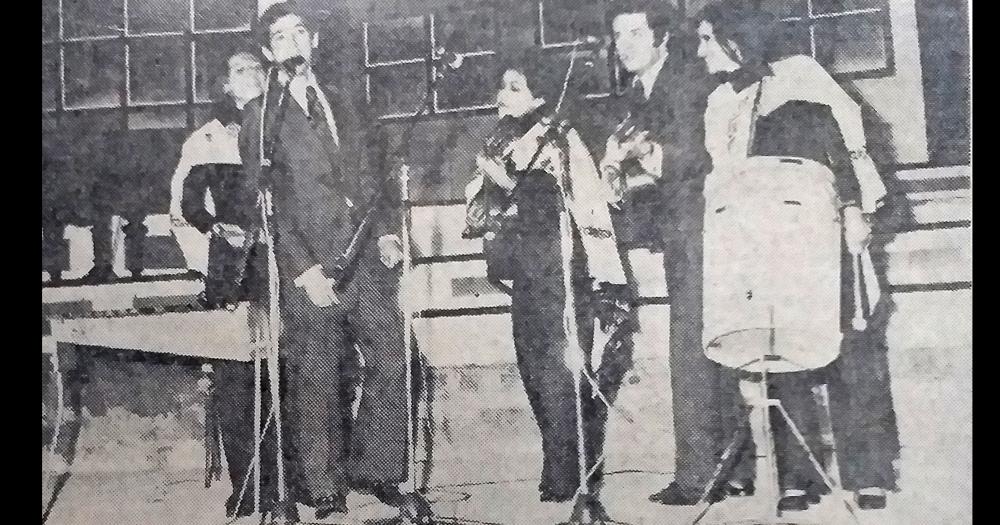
414 508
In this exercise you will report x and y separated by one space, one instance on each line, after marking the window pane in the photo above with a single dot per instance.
211 54
792 39
50 76
397 40
148 16
94 72
93 17
840 6
786 8
467 30
156 67
590 74
852 44
397 89
223 14
202 114
157 118
568 20
473 84
50 19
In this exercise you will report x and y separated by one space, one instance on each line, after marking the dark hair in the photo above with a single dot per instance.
741 25
223 105
662 17
545 73
261 27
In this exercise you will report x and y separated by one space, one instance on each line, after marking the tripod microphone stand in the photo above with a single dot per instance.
755 393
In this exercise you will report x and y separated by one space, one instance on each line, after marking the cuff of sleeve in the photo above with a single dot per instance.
313 274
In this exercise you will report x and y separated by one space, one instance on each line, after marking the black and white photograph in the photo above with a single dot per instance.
506 262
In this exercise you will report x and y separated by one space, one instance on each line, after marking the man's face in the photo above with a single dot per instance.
246 79
290 38
635 41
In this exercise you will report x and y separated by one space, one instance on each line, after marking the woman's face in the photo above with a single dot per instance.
717 60
514 98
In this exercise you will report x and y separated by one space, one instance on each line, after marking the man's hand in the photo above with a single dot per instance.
232 233
318 287
390 250
857 231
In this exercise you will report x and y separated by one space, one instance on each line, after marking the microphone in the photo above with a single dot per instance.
448 60
291 64
445 58
586 40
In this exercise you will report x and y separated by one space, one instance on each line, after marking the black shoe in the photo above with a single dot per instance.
870 501
675 495
797 502
325 506
414 508
388 494
546 494
747 489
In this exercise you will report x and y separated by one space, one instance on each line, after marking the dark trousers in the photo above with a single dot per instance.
699 387
321 347
795 470
539 341
234 385
861 412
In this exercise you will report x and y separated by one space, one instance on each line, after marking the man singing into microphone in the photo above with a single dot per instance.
324 168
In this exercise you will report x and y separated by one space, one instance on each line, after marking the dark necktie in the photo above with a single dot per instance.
315 109
317 116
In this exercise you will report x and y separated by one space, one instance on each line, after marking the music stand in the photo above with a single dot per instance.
763 435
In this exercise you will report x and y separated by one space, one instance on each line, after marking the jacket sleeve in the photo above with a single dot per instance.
805 79
193 198
376 169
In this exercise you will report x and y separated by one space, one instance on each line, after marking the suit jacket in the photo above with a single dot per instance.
674 116
319 190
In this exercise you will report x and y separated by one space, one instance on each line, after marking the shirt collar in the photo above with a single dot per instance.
648 78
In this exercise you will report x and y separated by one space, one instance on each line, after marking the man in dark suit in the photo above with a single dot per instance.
656 159
324 168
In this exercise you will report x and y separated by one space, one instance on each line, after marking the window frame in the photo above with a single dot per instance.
811 18
125 39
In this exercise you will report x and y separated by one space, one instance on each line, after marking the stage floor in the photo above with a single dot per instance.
933 409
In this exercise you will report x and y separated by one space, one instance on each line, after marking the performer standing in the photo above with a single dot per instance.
551 209
656 157
772 106
324 169
211 195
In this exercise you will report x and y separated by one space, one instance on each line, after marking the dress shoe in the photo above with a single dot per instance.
325 506
740 489
388 494
675 495
414 507
798 500
546 494
870 499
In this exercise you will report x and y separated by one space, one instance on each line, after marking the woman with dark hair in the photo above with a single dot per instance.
548 229
767 105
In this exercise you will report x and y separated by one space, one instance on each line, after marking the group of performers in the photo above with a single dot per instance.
283 174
